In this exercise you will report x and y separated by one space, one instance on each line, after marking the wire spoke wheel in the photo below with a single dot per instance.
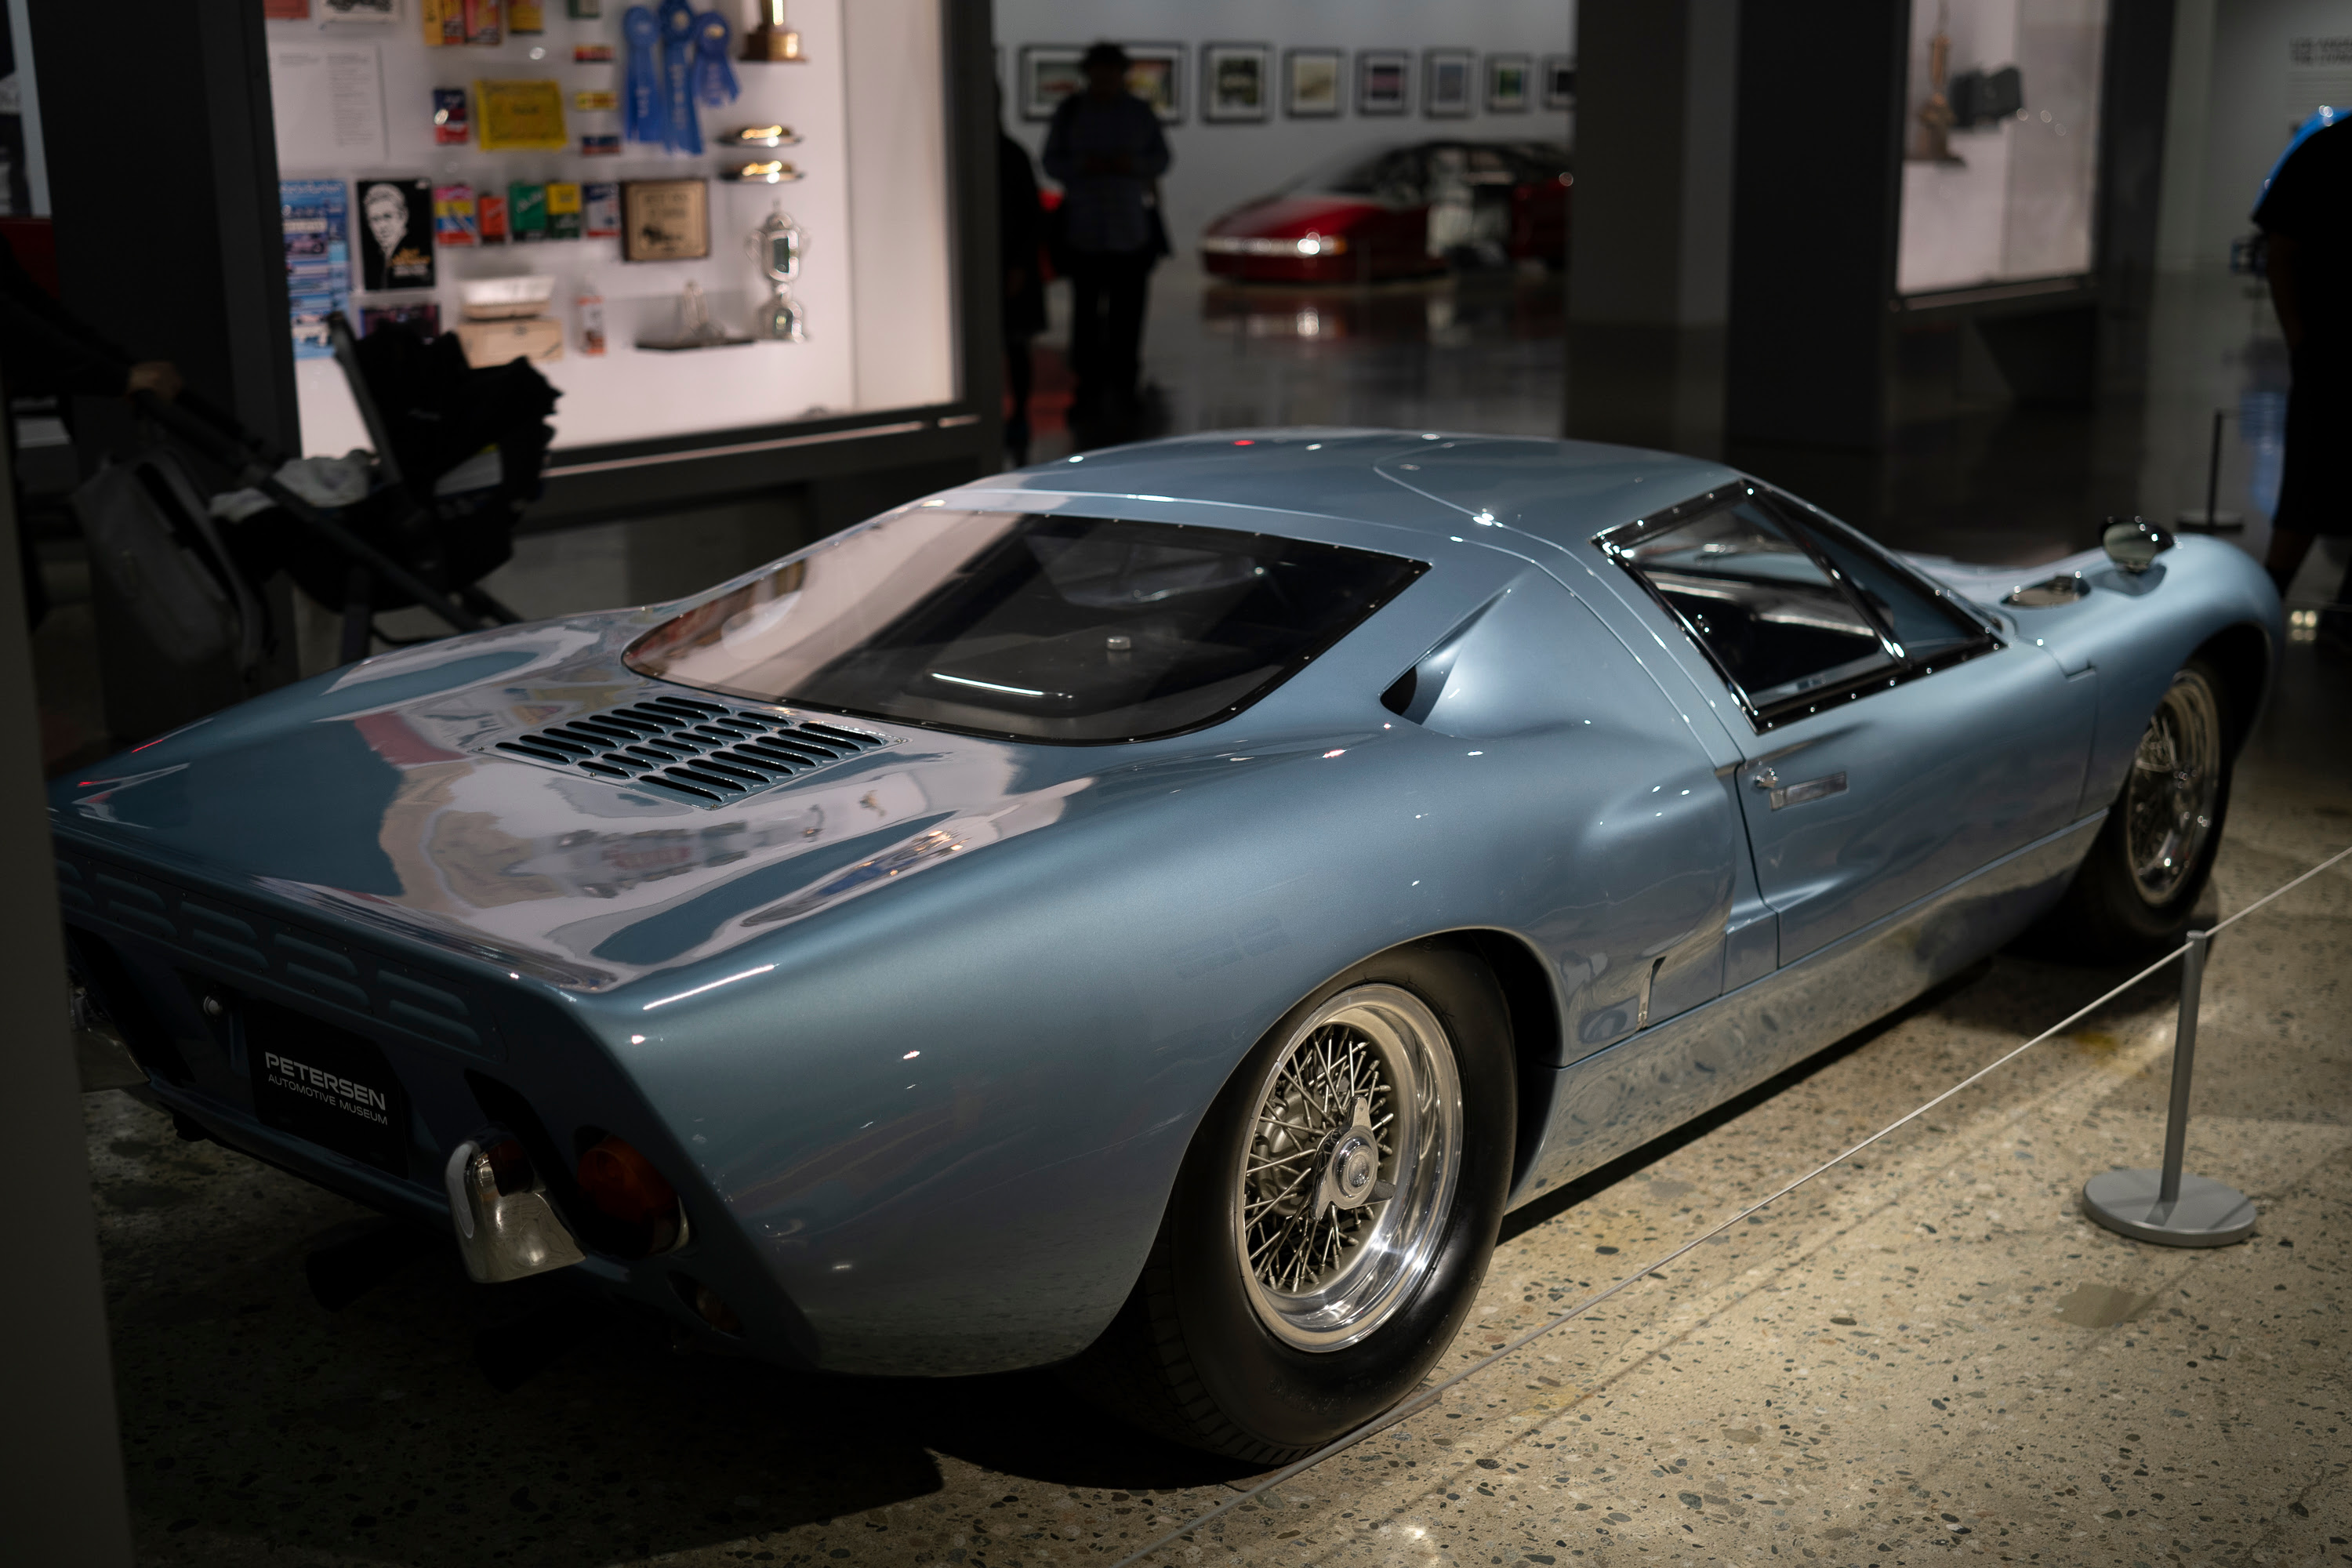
1350 1169
2176 780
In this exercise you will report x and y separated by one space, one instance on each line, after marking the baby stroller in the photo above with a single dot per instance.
420 521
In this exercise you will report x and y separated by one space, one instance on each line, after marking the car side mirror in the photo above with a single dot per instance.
2134 543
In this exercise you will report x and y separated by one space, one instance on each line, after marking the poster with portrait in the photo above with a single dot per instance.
1508 83
1235 88
1310 83
1560 81
1383 81
1446 82
395 234
1049 73
1155 73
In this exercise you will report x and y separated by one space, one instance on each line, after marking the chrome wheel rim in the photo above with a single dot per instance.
2175 784
1349 1171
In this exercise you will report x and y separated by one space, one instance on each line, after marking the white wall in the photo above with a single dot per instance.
1218 166
2252 95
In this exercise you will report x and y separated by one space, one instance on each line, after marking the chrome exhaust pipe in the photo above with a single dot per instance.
503 1234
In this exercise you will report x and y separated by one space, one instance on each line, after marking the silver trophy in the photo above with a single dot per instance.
776 247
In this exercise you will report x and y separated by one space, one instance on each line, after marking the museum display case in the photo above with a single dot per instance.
652 203
2001 143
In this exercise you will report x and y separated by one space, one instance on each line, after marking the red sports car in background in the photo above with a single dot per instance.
1400 212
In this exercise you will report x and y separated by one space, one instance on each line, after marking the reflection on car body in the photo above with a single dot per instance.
1347 836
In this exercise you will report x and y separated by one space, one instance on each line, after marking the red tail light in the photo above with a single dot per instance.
623 1185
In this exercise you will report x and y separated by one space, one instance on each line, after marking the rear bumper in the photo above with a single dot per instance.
153 949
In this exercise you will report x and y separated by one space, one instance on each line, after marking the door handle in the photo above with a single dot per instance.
1799 794
1764 778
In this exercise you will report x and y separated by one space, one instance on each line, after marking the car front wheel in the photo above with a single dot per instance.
2137 891
1332 1219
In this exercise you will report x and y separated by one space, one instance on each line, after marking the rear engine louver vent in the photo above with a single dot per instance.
697 752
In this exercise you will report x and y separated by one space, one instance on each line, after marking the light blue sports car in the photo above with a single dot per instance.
1154 912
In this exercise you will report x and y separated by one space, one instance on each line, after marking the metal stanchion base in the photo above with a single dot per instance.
2207 1214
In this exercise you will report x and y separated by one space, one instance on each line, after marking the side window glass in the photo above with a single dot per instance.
1400 179
1488 167
1771 618
1921 623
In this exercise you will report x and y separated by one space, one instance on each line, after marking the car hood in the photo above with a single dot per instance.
1285 217
378 795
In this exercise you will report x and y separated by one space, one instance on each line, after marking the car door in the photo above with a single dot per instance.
1399 230
1895 742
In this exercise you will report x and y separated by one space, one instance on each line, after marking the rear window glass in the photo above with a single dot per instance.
1034 625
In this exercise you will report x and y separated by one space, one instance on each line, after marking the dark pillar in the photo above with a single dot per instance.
2135 82
61 1497
164 179
1816 202
1647 259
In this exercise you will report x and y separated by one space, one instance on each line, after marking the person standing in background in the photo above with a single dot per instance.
1106 148
2305 217
1021 238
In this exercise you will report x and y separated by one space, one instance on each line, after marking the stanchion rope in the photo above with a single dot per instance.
1423 1398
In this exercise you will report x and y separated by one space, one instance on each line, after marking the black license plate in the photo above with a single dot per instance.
325 1084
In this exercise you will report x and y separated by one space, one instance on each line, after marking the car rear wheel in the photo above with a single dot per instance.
1332 1219
2137 891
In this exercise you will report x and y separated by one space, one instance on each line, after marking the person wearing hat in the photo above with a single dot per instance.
1106 148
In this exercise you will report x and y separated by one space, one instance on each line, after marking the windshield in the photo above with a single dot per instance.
1381 173
1037 627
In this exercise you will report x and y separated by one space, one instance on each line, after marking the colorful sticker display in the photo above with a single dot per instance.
601 205
453 217
564 216
315 215
527 211
453 126
522 116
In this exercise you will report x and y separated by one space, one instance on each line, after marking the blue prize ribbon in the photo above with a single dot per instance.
677 83
642 115
714 78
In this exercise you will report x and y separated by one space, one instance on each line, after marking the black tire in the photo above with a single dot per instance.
1190 1356
2105 917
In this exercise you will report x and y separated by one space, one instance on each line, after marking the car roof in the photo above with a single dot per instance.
1426 481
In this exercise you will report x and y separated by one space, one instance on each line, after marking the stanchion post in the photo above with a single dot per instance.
2170 1206
2184 1064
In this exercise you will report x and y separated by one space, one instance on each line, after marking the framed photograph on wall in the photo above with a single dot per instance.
1560 81
1236 84
1446 82
1049 73
1155 73
1508 86
1383 81
1310 83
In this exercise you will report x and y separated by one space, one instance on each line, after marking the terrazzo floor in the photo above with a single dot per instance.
1925 1354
